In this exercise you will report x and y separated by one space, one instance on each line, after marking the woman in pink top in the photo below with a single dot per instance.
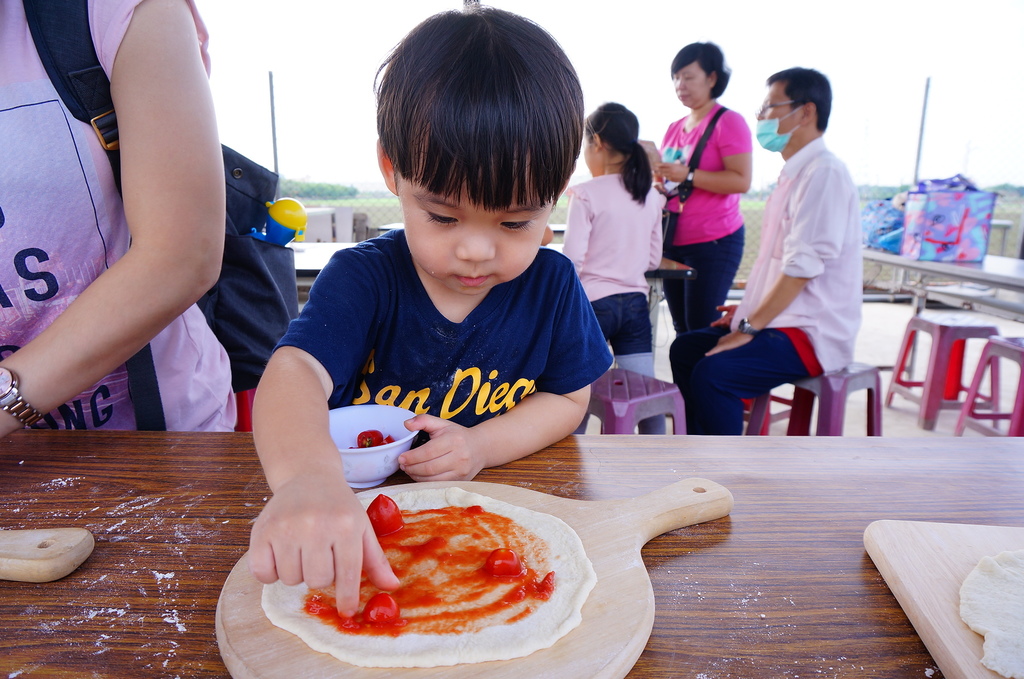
708 227
613 236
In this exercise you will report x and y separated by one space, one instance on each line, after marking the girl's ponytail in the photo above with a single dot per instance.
619 128
636 173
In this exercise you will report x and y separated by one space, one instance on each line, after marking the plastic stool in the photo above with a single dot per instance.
943 380
1011 348
832 389
621 398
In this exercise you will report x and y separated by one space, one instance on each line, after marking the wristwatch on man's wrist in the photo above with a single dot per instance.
746 328
12 402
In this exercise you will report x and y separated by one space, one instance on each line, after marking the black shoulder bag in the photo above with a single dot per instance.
685 188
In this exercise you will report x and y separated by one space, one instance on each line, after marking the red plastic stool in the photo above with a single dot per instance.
1011 348
943 380
832 390
621 398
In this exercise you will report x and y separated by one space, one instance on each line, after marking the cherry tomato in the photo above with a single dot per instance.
504 563
381 609
369 438
385 516
389 439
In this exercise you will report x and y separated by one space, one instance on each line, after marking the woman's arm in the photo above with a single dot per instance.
735 178
173 187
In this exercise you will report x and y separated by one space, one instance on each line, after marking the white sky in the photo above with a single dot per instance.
324 56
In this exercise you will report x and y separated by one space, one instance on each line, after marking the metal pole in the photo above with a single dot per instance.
920 134
273 129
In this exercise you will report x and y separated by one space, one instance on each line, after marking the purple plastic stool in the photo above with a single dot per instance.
621 398
940 389
1011 348
832 389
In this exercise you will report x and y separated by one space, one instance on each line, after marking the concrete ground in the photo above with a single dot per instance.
878 343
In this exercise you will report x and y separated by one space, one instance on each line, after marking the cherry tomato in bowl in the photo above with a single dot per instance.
369 439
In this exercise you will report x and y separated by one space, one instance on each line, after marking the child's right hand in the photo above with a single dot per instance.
315 530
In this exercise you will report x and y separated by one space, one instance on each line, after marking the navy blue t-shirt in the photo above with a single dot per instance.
371 324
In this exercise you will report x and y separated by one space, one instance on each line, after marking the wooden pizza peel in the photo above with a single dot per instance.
617 617
924 564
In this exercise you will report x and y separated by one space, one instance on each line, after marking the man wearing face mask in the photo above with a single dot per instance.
800 311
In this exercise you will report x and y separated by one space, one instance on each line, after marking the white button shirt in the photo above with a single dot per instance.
812 230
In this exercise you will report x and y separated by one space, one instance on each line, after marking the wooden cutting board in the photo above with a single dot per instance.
924 565
617 617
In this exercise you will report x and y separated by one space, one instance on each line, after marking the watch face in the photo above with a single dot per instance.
6 380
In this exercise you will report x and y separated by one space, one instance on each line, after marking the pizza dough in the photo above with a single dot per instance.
992 604
556 547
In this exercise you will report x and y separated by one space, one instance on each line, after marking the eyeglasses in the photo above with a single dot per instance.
765 107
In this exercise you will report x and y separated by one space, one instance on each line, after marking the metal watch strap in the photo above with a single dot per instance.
746 328
25 413
18 407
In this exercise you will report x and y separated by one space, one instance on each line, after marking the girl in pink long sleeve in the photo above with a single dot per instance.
613 236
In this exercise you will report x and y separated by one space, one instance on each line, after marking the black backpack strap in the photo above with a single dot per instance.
145 391
60 30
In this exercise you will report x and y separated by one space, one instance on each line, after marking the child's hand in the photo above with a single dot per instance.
449 455
315 530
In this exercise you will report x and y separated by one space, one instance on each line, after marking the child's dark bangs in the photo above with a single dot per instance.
491 113
492 152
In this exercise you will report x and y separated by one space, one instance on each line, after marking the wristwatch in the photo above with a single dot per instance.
746 328
12 402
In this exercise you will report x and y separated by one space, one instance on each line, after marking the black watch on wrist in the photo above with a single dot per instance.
12 402
746 328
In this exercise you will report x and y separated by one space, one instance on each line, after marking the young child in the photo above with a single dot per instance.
613 236
460 317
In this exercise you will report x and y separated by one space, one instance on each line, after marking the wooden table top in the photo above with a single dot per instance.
780 588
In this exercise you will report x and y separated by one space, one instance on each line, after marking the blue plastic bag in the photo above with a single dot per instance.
882 225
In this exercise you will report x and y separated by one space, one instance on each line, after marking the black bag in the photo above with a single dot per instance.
685 188
256 295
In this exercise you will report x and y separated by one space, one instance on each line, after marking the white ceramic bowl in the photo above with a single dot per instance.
368 467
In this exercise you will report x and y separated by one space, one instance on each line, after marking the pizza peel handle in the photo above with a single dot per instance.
683 503
42 554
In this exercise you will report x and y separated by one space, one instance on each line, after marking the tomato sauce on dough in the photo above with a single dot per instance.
439 557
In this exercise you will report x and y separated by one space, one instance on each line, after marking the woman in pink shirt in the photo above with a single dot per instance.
706 232
613 236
